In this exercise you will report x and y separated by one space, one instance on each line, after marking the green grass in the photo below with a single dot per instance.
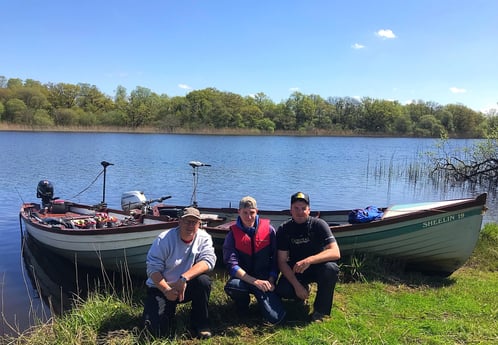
371 306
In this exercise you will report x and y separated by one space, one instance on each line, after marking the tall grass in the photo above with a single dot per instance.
375 303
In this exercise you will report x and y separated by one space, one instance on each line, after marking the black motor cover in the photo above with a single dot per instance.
45 191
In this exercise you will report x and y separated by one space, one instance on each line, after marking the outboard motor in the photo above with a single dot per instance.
45 191
133 200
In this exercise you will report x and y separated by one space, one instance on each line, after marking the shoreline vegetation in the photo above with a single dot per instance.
6 127
375 303
31 105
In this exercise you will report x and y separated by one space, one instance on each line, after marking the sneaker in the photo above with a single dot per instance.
205 334
318 317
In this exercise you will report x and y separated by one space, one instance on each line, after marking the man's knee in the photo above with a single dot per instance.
204 280
330 270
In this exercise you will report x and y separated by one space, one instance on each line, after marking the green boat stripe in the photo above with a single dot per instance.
398 231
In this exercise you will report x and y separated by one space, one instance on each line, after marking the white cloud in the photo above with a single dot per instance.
184 87
457 90
358 46
294 89
385 33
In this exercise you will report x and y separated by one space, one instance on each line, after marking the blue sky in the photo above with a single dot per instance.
430 50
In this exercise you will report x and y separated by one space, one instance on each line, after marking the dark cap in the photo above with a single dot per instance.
191 212
300 196
247 202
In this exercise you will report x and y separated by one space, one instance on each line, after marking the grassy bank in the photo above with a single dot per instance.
383 307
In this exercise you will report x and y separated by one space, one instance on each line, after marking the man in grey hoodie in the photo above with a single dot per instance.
177 263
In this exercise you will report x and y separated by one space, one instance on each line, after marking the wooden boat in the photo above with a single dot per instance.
433 237
108 238
436 237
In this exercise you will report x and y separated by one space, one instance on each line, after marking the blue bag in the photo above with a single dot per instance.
365 215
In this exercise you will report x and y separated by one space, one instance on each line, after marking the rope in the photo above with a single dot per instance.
91 184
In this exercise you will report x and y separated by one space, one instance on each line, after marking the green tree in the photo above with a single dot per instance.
379 115
323 113
42 118
113 118
266 125
65 117
121 98
171 113
446 119
284 119
5 95
33 97
200 108
91 100
429 126
466 120
14 84
63 95
15 110
304 108
403 124
346 112
226 111
142 107
251 116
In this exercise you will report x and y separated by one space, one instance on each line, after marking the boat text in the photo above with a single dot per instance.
443 220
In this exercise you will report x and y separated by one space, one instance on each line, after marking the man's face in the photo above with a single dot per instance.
300 211
189 227
248 216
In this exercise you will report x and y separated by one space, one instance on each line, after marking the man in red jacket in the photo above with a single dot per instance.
249 253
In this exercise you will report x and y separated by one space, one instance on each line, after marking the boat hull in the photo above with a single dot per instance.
119 248
438 243
436 237
432 237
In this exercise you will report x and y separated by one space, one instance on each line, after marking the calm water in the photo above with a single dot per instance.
338 173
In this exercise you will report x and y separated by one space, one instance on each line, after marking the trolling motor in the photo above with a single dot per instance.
195 166
45 192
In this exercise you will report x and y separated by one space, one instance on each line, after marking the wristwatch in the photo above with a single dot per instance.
183 279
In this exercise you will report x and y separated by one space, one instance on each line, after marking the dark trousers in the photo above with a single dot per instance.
159 312
324 274
269 302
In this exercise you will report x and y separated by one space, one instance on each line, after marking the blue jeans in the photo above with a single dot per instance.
269 303
159 312
324 274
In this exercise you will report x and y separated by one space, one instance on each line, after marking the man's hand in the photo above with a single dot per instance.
301 266
180 286
301 292
171 294
264 285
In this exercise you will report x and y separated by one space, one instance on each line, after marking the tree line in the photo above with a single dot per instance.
31 103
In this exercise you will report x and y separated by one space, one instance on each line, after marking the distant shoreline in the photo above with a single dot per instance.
4 127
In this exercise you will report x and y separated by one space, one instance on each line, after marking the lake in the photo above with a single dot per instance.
337 173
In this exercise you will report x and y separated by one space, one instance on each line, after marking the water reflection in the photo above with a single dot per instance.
57 282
